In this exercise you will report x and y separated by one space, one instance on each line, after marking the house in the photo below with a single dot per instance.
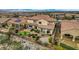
44 23
60 14
3 21
77 16
72 15
17 23
70 31
47 29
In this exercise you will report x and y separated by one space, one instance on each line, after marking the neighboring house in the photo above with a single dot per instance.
70 29
60 14
17 23
3 21
77 16
72 15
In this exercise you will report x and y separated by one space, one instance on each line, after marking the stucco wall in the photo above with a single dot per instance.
43 22
30 21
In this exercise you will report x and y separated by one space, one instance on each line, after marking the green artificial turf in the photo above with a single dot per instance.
24 33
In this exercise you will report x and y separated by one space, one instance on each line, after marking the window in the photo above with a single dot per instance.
48 31
30 26
17 25
68 36
16 31
39 22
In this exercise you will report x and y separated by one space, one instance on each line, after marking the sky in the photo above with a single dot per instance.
39 4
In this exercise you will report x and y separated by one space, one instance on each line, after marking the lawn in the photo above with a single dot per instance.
24 33
67 47
57 47
63 47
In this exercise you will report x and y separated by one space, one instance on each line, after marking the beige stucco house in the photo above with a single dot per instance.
60 14
3 21
70 31
17 23
44 23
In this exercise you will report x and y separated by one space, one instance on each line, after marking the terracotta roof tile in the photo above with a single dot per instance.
69 24
2 20
38 17
17 20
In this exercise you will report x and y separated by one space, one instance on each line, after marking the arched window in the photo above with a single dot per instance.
68 36
48 31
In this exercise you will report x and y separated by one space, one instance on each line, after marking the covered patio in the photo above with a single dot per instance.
70 28
71 34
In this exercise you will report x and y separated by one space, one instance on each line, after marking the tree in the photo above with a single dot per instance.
73 16
50 39
37 38
15 15
68 17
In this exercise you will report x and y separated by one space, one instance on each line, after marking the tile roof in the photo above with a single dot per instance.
2 20
69 25
17 21
45 17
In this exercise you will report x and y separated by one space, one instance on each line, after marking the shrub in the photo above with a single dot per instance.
45 44
33 36
16 45
37 38
32 29
35 30
50 39
3 39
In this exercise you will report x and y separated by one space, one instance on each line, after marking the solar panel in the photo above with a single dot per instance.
18 20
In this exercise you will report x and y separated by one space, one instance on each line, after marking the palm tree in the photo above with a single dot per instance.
57 31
